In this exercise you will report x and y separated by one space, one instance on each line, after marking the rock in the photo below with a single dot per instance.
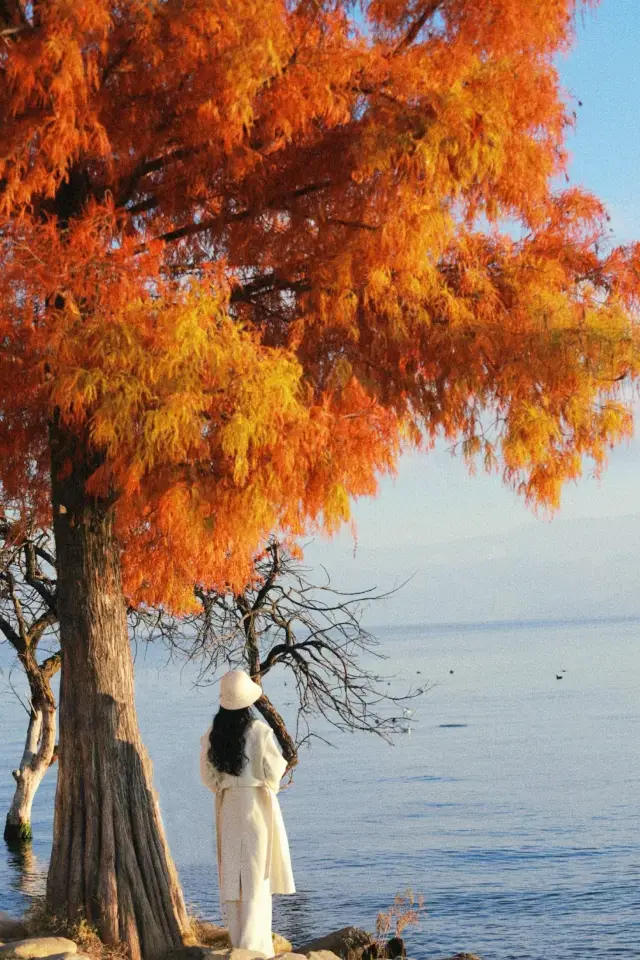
281 945
189 953
236 953
348 943
10 928
464 956
36 947
209 953
69 956
372 952
289 956
396 948
214 941
322 955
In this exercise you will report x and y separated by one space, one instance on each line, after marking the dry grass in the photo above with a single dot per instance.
217 938
207 934
407 910
40 922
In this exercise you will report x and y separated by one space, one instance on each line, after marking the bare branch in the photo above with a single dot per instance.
312 630
51 665
10 633
23 633
270 579
40 625
33 576
284 738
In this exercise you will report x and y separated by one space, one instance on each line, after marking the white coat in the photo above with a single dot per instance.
251 839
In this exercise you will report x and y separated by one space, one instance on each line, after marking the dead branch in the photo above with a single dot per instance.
291 621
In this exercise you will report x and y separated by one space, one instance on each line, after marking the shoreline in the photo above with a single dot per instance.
41 937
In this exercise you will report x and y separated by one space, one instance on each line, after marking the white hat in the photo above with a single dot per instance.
237 690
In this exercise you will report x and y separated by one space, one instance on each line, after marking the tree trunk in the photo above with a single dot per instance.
40 745
264 705
37 758
110 862
277 724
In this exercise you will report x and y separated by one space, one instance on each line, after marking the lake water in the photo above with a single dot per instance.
513 806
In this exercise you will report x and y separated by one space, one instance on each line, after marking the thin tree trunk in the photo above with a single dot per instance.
37 758
264 705
277 724
110 862
40 745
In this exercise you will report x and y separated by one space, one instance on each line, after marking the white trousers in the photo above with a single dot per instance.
249 922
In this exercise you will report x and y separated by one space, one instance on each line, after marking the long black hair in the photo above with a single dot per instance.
227 740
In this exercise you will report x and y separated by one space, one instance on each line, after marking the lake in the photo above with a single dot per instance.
513 805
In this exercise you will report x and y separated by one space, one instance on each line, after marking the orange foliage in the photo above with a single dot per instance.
252 251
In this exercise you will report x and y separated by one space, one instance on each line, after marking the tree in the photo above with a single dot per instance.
285 617
27 618
282 618
247 255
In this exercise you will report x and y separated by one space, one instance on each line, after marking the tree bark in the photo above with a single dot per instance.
110 862
38 756
277 724
264 705
40 745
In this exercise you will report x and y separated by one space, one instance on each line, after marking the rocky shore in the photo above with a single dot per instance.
19 941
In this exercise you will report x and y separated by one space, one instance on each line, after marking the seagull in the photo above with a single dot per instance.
407 714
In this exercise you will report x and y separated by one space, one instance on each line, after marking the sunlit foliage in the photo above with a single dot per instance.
251 251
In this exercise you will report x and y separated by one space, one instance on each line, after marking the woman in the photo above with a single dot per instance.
240 762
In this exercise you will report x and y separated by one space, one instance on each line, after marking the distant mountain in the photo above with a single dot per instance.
563 569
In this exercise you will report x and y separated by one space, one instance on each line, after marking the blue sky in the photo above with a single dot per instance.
476 551
603 71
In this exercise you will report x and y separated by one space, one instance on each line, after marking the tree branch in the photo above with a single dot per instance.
13 17
277 724
271 283
10 634
17 609
42 585
37 628
417 26
354 224
51 665
270 579
311 630
202 226
145 167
